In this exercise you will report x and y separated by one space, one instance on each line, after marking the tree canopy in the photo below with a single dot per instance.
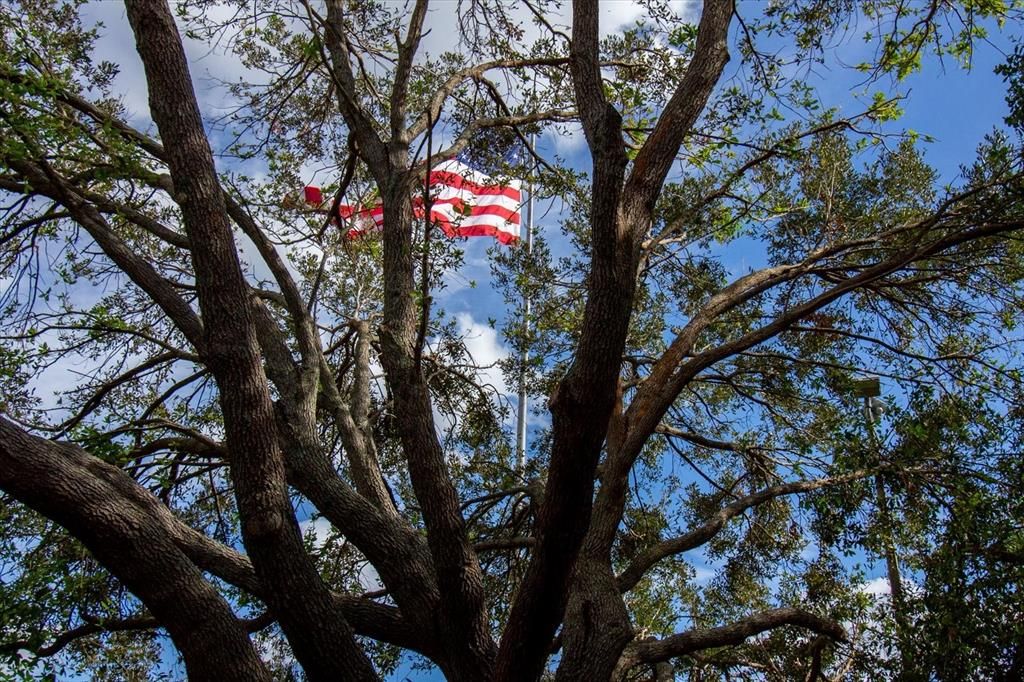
273 454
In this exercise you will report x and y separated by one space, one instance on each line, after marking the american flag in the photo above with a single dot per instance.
465 202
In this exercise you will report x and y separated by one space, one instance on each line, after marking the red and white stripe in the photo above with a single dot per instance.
464 203
468 203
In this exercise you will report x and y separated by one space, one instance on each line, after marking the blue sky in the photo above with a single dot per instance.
955 107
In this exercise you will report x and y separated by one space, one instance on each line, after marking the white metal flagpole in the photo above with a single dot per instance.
524 354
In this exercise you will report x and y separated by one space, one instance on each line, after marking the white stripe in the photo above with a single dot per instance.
496 221
478 200
473 175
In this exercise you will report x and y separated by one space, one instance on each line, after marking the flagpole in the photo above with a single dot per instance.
524 353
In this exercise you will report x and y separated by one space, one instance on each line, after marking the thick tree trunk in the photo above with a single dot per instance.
112 516
580 409
463 628
620 215
597 626
585 397
322 641
464 631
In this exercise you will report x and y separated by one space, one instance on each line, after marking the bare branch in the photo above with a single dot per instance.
104 390
728 635
433 110
92 626
403 68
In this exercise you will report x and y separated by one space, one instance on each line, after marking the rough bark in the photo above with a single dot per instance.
597 625
322 640
584 398
591 652
464 630
727 635
98 504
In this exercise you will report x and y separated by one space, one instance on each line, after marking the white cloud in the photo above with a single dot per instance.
617 14
567 142
485 349
369 579
702 575
208 64
319 529
877 587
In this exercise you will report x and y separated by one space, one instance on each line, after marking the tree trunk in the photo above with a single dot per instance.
322 641
597 626
463 628
113 517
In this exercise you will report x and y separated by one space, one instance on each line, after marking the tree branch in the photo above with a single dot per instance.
92 626
295 590
102 391
100 505
655 158
370 145
643 562
46 181
696 640
403 68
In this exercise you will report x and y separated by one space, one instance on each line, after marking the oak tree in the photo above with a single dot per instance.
242 364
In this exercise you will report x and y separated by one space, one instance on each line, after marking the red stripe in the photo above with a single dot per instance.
449 179
485 231
455 231
451 228
462 208
313 195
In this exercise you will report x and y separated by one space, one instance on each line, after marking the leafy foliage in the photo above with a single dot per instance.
798 248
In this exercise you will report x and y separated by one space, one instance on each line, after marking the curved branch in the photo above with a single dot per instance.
112 516
47 182
728 635
670 373
92 626
295 590
433 111
698 536
94 401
